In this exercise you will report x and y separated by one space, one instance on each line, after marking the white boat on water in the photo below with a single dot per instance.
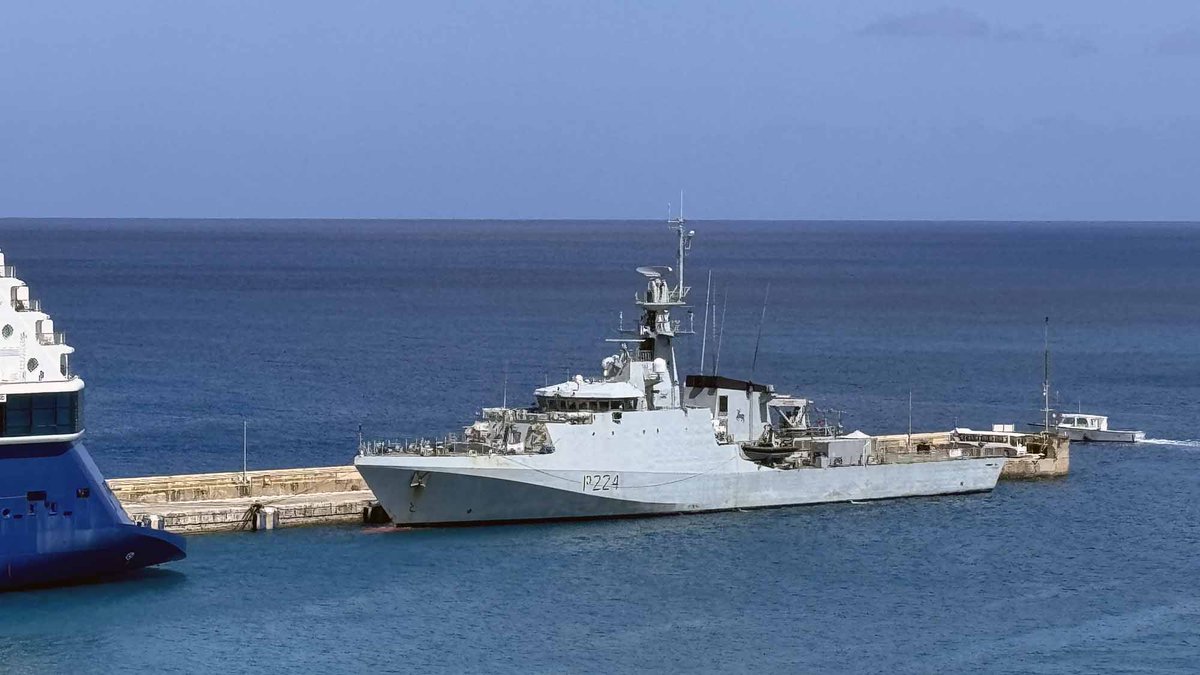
637 440
1087 428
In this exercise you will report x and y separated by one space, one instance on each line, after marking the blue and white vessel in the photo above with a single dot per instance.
59 522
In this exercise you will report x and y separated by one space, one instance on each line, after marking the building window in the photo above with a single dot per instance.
723 405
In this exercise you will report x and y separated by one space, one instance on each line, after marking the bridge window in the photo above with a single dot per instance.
40 414
553 403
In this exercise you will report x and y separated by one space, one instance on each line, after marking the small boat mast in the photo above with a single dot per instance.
1046 377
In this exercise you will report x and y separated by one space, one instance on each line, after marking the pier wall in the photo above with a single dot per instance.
1025 468
1046 462
234 484
1051 462
254 501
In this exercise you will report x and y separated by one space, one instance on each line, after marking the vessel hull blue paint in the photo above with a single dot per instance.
59 522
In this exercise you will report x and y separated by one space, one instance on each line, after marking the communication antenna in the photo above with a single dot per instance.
504 396
721 334
761 319
714 333
704 335
685 240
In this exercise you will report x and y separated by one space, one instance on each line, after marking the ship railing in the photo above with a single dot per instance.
7 272
419 446
57 338
642 355
451 445
522 415
927 452
671 296
28 305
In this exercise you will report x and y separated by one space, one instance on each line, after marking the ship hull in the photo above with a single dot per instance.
419 491
1097 435
1108 436
59 523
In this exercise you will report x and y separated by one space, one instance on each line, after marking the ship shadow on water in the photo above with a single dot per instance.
145 580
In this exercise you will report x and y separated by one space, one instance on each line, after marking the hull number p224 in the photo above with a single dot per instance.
601 482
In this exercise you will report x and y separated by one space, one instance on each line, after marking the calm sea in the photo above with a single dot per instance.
308 329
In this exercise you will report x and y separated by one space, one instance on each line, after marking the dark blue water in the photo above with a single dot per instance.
309 329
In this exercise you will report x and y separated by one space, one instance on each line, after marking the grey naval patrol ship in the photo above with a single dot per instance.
636 441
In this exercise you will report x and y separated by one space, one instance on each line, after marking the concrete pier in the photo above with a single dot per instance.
266 500
1043 461
255 501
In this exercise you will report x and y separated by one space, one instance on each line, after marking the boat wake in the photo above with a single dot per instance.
1188 443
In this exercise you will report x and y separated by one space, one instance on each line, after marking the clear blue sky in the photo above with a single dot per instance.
993 109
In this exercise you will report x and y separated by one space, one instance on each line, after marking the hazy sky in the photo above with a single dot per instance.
993 109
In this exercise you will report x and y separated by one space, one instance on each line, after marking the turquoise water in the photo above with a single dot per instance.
309 329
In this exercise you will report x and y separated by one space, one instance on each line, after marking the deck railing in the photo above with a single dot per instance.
669 297
28 305
7 271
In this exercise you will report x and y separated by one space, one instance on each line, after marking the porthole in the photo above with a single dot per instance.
7 331
33 364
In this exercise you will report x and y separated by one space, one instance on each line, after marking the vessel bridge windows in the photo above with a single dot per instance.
557 404
40 414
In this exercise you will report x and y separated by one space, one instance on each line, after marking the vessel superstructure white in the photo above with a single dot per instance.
636 440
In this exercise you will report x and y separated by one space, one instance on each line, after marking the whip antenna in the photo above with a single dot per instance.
761 319
704 335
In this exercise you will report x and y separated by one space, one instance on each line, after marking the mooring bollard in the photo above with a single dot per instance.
266 518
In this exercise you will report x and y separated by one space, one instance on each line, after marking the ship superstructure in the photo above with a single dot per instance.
636 440
58 520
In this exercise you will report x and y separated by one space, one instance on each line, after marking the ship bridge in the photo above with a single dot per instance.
585 395
39 395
